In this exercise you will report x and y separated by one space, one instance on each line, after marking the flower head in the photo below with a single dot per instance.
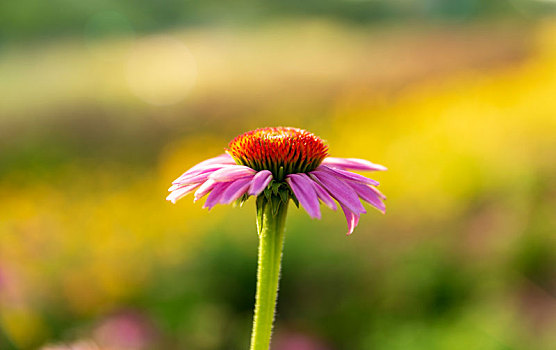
281 163
281 150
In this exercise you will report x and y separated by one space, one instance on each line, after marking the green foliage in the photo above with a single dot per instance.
35 19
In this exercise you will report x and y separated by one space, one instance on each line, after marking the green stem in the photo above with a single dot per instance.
270 226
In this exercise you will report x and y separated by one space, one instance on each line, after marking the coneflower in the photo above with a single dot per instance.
276 165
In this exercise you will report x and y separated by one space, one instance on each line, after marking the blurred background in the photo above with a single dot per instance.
104 103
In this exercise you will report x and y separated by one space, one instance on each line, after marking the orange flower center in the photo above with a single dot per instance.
281 150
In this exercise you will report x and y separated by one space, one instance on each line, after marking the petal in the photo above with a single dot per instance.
205 188
180 192
338 189
347 175
231 173
176 187
302 187
352 163
219 161
223 159
215 195
367 194
201 170
235 190
380 194
352 219
194 177
324 196
260 181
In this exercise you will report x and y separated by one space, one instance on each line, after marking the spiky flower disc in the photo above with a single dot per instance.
282 150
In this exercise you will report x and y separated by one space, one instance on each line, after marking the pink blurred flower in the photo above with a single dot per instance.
125 330
298 341
285 161
78 345
122 331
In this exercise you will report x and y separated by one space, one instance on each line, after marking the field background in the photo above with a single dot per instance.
103 104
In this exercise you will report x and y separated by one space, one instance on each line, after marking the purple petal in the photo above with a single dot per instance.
223 159
231 173
324 196
380 194
338 189
260 181
352 219
218 162
195 177
302 187
205 188
180 192
352 163
347 175
188 175
215 195
367 194
235 190
176 187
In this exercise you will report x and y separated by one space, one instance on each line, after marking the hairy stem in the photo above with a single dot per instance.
270 226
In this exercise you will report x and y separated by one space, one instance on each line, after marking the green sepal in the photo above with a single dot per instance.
275 187
260 210
276 203
268 193
284 195
240 201
295 201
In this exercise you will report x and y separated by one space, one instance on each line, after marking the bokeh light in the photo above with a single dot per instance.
161 70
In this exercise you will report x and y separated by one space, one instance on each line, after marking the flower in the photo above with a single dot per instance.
283 163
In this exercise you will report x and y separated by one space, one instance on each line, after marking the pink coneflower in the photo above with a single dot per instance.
283 163
274 165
